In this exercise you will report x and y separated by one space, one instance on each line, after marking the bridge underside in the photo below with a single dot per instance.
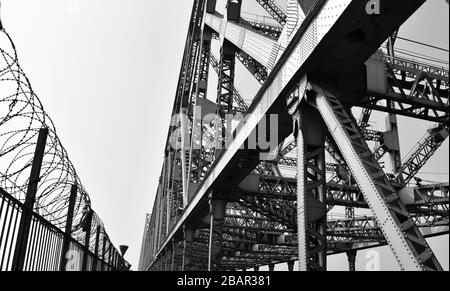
229 200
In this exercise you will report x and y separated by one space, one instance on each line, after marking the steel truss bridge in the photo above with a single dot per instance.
47 222
239 207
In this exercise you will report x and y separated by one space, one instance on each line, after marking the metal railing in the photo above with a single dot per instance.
45 244
46 218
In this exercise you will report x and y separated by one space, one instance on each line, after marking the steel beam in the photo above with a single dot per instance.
406 241
274 10
422 154
311 193
312 52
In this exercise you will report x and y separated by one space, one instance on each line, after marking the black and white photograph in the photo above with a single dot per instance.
224 142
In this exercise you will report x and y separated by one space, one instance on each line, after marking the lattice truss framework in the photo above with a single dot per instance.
334 194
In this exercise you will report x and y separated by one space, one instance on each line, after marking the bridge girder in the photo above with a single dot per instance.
275 197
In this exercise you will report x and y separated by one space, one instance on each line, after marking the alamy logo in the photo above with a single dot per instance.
211 132
73 7
373 261
373 7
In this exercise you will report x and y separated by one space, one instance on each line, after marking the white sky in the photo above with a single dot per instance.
106 72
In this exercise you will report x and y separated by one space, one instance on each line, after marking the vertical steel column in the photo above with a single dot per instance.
351 255
271 267
97 243
164 184
394 149
217 208
183 261
312 226
166 260
291 265
103 253
225 94
173 256
211 231
87 239
28 208
201 94
157 220
172 200
162 213
191 59
116 260
110 250
184 154
68 229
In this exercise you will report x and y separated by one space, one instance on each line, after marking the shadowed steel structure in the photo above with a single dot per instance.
226 202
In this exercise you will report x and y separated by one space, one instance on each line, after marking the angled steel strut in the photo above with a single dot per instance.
403 236
274 10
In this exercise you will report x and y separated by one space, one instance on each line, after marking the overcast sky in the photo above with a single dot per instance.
106 72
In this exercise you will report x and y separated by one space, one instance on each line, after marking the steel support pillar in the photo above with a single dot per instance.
196 161
27 212
173 256
271 267
216 218
110 249
211 233
166 260
394 142
183 259
311 189
185 160
291 265
187 249
351 255
225 93
103 253
68 229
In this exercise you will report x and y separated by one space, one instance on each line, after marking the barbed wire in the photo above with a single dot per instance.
22 116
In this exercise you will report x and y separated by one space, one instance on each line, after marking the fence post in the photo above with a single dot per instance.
68 229
116 259
87 239
110 250
97 242
28 207
103 253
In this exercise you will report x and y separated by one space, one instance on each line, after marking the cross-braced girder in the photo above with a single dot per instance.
274 10
269 219
414 90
